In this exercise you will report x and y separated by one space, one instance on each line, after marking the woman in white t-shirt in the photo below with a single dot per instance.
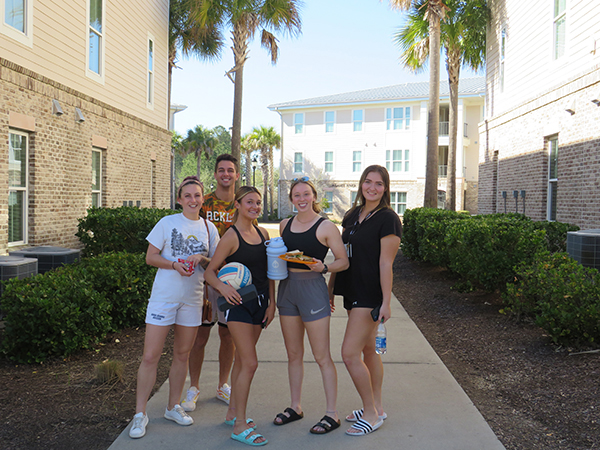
181 246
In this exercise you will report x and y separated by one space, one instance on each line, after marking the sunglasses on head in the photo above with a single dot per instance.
302 179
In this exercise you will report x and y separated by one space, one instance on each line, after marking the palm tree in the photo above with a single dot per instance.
463 36
435 11
244 18
267 139
247 148
200 141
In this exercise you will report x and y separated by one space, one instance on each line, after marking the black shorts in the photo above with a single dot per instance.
252 312
351 303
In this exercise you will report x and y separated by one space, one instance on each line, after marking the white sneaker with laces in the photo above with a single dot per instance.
177 414
189 404
138 426
224 393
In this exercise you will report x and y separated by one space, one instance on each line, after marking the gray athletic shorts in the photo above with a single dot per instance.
304 294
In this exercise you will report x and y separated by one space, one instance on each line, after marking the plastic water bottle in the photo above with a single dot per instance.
381 339
277 268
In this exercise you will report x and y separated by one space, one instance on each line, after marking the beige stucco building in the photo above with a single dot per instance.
83 116
332 139
541 137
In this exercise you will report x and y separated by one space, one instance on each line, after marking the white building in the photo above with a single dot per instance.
333 138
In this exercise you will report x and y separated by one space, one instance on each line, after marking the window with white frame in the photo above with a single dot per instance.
502 55
17 20
397 118
357 161
95 53
328 162
150 98
96 177
552 178
329 197
18 149
398 202
560 27
397 160
357 119
329 121
298 123
298 163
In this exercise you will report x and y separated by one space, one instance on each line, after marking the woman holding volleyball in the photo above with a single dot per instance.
244 242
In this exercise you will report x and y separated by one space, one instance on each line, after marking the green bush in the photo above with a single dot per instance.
556 234
125 229
52 314
562 296
126 281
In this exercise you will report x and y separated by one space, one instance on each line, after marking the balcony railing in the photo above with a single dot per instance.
444 128
442 171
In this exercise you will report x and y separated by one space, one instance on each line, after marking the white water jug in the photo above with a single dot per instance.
277 268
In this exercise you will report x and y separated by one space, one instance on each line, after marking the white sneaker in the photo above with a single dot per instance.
177 414
224 393
189 404
138 426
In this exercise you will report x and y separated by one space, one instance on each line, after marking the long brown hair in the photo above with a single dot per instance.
240 194
315 204
385 201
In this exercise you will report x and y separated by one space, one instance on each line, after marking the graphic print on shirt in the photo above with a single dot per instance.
185 247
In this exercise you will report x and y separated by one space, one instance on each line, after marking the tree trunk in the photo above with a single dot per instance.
169 80
433 113
248 167
453 66
240 53
198 161
271 181
264 157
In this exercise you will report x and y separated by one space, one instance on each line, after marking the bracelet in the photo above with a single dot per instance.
173 265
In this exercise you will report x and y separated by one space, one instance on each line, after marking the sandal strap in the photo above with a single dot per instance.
363 426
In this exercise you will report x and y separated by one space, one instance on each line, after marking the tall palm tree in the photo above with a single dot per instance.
247 149
463 35
435 11
244 18
266 139
200 141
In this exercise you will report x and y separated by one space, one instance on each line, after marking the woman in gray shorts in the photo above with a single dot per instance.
303 300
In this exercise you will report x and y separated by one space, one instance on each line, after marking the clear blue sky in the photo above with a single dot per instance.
345 45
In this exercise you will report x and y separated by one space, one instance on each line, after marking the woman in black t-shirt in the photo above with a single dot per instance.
244 242
371 233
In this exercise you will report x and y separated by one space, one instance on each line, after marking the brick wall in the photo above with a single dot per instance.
60 156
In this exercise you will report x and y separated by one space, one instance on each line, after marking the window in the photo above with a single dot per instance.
397 118
357 161
398 202
397 160
329 198
298 163
150 99
17 187
353 195
552 178
16 20
329 121
328 162
560 27
502 55
298 123
96 178
95 53
357 119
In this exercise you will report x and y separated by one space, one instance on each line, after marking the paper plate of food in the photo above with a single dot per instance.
297 256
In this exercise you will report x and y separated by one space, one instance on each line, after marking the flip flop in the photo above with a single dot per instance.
327 423
243 438
363 427
358 413
293 416
232 422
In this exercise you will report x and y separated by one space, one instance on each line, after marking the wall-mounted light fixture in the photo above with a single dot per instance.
79 116
56 108
571 107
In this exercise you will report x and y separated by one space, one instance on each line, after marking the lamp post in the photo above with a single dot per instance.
254 163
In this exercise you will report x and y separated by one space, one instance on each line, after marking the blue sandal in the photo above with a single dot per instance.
243 437
248 422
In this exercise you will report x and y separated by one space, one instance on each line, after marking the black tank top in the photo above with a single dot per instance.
254 257
306 242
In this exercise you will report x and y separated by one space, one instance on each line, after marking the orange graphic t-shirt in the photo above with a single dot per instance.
218 212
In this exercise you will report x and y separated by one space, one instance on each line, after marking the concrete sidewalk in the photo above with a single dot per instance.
427 409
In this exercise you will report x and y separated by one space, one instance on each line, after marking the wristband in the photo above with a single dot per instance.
173 265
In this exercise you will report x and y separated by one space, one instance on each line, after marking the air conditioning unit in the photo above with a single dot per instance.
584 247
49 257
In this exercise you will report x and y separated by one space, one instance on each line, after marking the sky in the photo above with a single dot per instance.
345 45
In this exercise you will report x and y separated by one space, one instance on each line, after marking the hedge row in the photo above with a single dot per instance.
73 307
122 229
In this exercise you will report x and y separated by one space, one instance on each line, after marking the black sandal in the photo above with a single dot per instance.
293 416
327 423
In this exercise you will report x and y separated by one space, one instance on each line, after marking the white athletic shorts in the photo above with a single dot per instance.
165 314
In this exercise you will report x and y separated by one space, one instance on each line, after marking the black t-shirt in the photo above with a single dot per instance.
362 279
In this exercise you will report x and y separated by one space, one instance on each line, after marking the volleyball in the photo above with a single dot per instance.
235 275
